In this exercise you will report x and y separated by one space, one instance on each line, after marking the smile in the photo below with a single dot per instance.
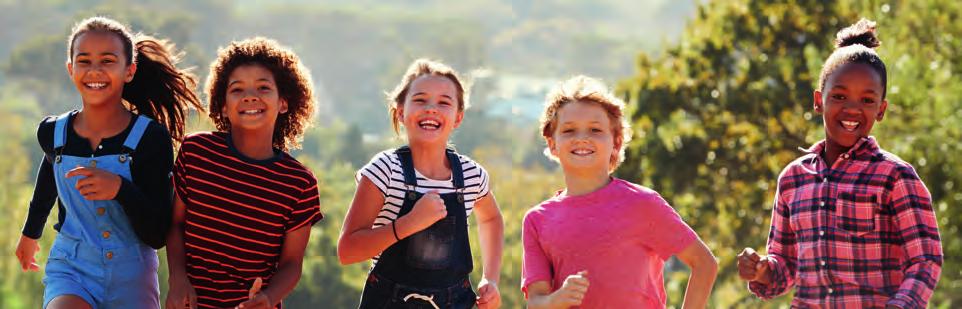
96 86
583 152
429 124
850 126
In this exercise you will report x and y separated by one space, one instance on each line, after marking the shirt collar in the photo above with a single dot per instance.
864 149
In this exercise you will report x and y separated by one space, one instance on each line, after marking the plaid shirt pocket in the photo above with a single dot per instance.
855 212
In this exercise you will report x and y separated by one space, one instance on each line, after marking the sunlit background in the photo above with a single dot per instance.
719 95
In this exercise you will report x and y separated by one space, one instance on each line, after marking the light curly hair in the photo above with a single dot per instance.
587 90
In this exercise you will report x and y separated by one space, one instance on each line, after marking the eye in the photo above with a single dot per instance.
264 88
83 61
235 90
838 96
868 100
419 100
567 130
596 130
108 61
445 103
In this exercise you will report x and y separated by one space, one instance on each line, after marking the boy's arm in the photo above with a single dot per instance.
175 241
920 240
181 294
704 269
288 269
539 295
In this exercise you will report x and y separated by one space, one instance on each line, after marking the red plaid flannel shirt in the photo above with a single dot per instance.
859 234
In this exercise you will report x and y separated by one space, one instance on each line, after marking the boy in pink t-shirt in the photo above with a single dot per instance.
603 241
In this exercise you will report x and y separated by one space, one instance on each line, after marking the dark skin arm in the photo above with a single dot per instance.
288 271
181 294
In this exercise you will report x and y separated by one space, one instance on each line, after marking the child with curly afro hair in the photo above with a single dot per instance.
244 207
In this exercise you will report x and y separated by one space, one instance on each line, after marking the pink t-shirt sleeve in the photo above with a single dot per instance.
535 264
669 234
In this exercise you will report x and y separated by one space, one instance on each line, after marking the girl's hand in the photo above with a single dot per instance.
181 294
97 184
428 210
256 298
488 294
572 292
27 249
753 267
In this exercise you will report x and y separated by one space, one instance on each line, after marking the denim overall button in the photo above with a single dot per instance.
101 211
93 163
110 255
106 234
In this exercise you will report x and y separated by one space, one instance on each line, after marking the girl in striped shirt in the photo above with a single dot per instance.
852 225
244 207
410 210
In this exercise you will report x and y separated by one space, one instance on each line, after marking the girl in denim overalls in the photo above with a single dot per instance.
410 210
110 222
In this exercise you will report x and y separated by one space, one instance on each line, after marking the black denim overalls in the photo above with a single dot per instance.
430 268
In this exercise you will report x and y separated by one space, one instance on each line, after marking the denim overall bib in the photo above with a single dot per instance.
430 268
96 255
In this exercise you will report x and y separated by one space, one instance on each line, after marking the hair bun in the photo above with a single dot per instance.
862 33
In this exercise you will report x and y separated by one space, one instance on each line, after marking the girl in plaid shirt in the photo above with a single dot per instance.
852 225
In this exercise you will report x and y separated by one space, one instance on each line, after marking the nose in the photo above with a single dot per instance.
431 107
250 96
852 106
582 135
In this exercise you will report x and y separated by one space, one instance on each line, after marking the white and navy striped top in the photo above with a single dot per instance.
384 171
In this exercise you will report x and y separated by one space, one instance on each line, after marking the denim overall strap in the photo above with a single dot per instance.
136 132
407 165
60 130
457 175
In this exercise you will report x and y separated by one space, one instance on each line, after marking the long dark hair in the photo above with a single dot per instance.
159 89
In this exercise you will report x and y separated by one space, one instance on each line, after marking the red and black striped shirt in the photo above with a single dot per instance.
237 213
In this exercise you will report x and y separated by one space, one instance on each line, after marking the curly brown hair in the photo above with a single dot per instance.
586 89
421 67
293 84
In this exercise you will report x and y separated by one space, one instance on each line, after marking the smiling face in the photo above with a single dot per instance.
583 137
430 111
98 67
252 101
851 102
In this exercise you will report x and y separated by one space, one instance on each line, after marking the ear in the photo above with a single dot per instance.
282 104
881 110
458 119
131 71
818 102
618 141
69 67
552 146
